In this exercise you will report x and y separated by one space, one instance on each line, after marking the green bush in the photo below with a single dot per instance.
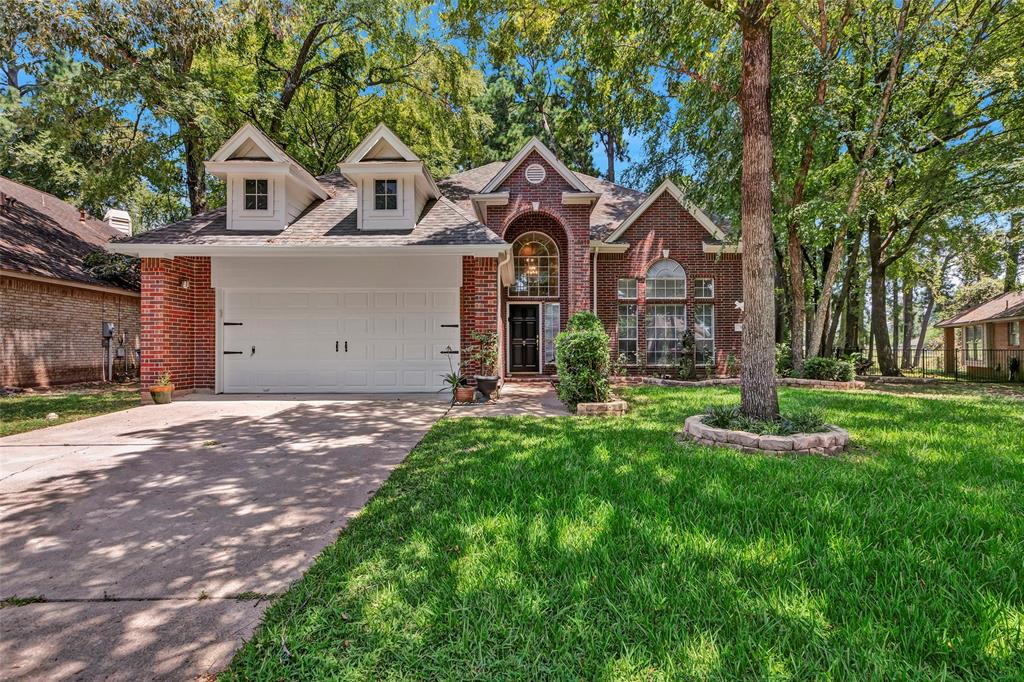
582 358
783 360
828 369
730 417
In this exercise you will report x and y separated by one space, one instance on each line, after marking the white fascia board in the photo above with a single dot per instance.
598 246
535 145
482 201
247 132
580 197
172 250
222 168
385 133
299 174
670 187
357 169
721 248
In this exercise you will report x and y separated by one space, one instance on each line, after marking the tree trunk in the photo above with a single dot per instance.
879 321
757 386
854 313
195 171
843 302
895 312
871 341
780 306
908 321
925 320
818 328
1014 247
798 297
609 150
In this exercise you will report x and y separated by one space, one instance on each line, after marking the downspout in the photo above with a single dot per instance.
593 286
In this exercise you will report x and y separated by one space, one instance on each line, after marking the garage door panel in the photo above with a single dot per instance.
395 340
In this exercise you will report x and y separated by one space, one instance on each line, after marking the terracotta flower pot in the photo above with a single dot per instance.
161 394
464 394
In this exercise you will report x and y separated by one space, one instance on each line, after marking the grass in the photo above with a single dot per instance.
524 548
27 412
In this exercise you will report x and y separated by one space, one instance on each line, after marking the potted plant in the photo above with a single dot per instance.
164 389
455 381
485 352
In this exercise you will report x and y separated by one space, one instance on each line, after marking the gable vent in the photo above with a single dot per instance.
535 174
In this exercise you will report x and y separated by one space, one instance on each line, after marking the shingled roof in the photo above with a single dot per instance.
614 205
43 236
1009 306
329 223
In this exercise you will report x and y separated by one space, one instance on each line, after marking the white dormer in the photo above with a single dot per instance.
392 184
266 188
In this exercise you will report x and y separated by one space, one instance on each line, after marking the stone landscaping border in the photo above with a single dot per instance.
779 381
612 408
831 442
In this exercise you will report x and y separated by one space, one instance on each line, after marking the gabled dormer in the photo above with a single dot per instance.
266 189
392 184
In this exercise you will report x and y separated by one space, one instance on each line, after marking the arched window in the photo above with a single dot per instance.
535 258
666 279
666 322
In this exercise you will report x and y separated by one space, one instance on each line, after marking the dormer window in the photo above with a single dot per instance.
385 195
256 195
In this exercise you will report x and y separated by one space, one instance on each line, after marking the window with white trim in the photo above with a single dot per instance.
627 332
627 288
704 287
973 335
704 333
385 195
666 326
1015 333
666 279
256 194
552 326
535 260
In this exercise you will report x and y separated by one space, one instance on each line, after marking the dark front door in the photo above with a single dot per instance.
523 338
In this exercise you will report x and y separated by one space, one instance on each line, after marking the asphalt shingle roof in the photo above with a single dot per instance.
1009 306
329 223
44 236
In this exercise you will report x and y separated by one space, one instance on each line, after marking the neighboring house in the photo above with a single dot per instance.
990 336
53 309
374 277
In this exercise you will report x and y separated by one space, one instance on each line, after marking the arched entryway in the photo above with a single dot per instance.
535 303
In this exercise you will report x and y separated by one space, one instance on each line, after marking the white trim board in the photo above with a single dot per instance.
535 145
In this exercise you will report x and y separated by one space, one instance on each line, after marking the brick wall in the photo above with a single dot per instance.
667 225
478 305
179 336
52 332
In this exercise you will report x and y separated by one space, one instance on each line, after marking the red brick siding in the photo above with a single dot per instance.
478 304
667 225
52 332
179 323
573 219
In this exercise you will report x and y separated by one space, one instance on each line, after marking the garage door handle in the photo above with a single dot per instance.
346 346
335 346
253 351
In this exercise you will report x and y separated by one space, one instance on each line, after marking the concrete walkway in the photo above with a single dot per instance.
534 398
143 528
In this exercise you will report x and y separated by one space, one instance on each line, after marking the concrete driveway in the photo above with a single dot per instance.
142 529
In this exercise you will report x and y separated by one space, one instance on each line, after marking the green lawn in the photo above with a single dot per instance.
27 411
524 548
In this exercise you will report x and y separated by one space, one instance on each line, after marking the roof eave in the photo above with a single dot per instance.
264 250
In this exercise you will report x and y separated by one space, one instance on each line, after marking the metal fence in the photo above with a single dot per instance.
974 364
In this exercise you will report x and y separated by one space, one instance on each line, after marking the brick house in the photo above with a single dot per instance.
52 309
374 277
989 338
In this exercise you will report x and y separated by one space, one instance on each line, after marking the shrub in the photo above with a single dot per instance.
828 369
783 360
582 358
730 417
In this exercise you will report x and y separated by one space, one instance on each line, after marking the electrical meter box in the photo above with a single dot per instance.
108 330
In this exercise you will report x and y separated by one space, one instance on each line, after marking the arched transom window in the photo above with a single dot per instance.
666 279
535 258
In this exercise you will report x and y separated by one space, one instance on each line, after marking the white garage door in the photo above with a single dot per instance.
354 341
